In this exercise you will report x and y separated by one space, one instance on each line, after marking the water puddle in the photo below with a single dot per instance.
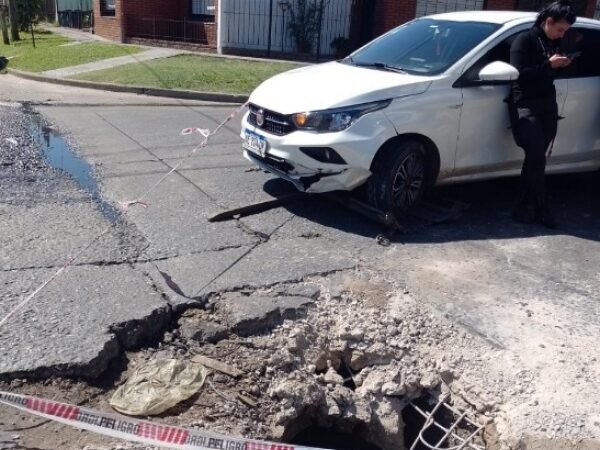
59 155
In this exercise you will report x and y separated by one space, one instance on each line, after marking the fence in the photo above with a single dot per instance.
157 28
75 19
264 25
75 13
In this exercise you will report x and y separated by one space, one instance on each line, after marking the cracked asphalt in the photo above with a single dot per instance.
527 292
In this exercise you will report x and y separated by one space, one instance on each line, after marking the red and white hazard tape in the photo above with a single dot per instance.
141 431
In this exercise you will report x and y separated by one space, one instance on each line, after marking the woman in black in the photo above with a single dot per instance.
534 112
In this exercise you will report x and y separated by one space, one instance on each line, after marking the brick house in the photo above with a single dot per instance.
168 22
262 26
392 13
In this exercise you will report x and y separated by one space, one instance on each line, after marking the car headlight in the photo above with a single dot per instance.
338 119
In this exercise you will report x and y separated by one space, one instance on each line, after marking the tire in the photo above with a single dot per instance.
399 177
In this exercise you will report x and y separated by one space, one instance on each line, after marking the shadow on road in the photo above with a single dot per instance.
574 197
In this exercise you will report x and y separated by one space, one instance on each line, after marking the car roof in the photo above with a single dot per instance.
499 17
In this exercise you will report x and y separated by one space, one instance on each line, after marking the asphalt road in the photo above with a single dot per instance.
527 291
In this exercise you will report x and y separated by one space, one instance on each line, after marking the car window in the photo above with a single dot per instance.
500 52
423 46
586 41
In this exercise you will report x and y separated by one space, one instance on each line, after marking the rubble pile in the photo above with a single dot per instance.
350 359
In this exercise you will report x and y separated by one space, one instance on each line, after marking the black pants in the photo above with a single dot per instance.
534 129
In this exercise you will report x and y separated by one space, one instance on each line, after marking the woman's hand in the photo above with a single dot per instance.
559 61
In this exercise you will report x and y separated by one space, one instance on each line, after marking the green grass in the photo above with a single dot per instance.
197 73
49 54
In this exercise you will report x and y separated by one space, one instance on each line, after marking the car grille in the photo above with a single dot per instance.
274 123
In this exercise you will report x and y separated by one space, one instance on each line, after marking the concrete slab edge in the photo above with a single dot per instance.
218 97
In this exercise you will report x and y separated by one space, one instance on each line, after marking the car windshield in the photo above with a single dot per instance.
423 46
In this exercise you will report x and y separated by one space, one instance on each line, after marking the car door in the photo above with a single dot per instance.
577 143
486 145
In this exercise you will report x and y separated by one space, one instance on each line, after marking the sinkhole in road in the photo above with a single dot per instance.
448 428
59 155
329 438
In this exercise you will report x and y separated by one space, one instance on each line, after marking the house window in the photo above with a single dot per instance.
203 10
107 7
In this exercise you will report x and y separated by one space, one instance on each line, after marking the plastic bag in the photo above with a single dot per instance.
159 385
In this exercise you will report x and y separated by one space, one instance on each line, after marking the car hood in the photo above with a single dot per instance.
332 85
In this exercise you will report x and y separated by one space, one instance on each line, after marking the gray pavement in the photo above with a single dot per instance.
531 294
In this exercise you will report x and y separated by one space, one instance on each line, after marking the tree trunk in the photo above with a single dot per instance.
14 20
4 26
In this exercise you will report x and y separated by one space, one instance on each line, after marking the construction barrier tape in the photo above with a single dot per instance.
141 431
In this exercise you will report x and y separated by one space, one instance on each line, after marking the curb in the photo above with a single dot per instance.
217 97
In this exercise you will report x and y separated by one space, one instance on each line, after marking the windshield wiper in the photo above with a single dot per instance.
380 65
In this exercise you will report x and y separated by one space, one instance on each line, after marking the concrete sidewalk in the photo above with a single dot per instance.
152 53
74 34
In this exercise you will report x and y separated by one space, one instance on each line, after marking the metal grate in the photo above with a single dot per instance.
450 440
274 123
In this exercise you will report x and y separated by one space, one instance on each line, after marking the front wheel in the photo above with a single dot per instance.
399 177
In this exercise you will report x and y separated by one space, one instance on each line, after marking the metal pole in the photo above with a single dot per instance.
270 28
4 26
282 30
14 20
320 27
220 18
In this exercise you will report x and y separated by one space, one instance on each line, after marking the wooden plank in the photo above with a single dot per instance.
218 366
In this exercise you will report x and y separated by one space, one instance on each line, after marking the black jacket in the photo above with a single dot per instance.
529 54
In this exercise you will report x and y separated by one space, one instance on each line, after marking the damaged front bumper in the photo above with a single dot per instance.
305 180
286 157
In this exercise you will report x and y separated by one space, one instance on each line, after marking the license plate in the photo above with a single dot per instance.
255 143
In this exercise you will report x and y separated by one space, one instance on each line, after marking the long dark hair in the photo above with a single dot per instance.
559 10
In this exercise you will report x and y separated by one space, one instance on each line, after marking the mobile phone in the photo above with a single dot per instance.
573 55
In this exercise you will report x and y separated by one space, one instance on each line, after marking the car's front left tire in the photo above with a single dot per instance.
399 177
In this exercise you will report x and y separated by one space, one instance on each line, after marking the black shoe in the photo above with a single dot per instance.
524 213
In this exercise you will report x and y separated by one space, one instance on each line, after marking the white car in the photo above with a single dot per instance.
423 104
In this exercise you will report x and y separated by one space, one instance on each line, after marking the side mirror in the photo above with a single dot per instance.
498 71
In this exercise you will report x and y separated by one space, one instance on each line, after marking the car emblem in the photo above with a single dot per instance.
260 117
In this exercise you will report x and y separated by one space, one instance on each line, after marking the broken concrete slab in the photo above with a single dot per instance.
67 228
255 187
184 277
203 330
65 329
175 220
247 315
278 261
308 290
